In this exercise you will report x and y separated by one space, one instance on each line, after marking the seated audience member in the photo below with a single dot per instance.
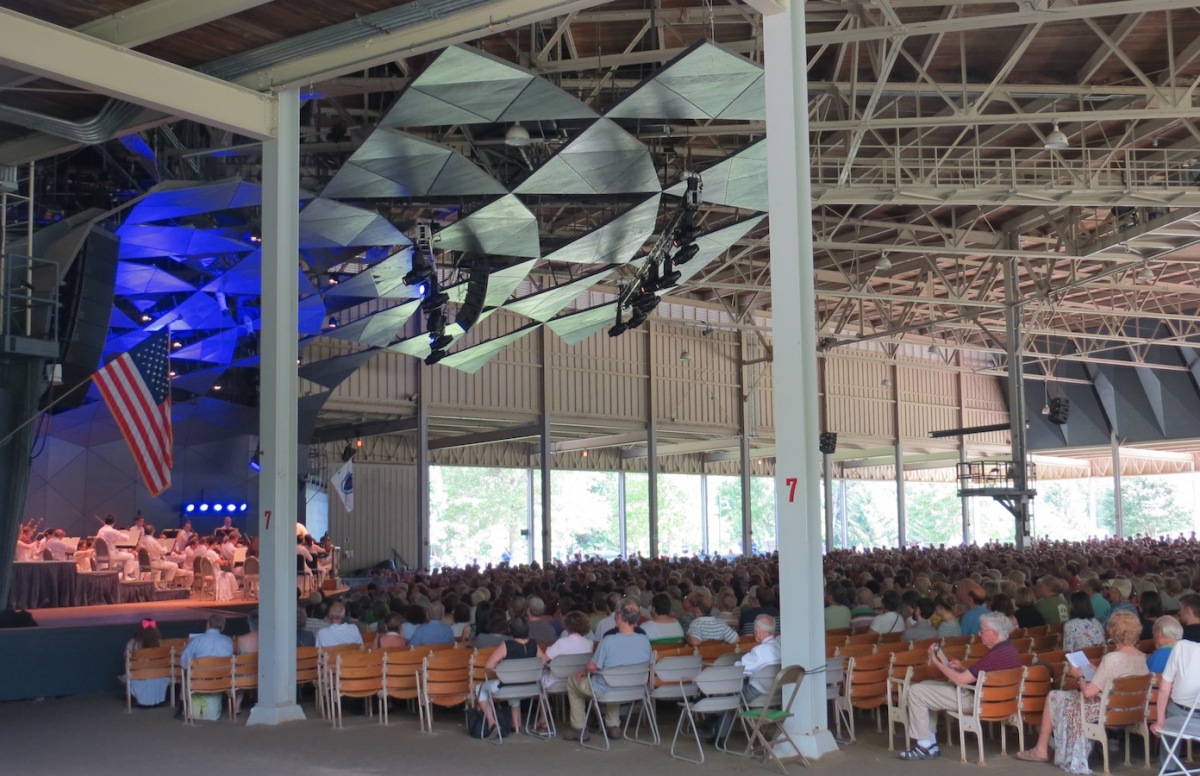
662 627
726 609
624 648
1118 592
759 667
1002 603
518 645
390 635
922 629
890 620
497 630
762 600
304 637
461 627
1189 616
211 643
1167 632
1083 629
928 698
1063 716
973 598
948 625
248 642
147 693
574 641
1095 590
706 627
339 631
434 631
541 630
1050 602
1179 687
1027 612
837 613
864 613
1150 608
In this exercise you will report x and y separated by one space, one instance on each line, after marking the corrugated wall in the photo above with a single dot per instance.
600 379
385 503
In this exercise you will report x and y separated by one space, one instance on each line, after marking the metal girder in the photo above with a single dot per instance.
360 430
768 7
487 437
437 33
157 19
684 448
734 455
595 443
1059 12
70 57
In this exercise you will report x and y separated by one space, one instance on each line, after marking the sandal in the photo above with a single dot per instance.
919 752
1029 757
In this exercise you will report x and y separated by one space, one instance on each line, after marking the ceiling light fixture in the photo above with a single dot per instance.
1056 140
884 263
517 136
933 350
1145 274
685 357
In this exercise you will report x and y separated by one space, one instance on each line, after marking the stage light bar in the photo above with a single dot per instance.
215 506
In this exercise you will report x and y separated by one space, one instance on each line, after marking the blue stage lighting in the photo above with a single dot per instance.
204 507
190 508
231 507
217 507
421 289
245 506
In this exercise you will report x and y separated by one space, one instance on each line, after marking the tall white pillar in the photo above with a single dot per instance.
797 417
278 400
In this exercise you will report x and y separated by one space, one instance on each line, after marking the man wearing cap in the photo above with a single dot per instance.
1117 592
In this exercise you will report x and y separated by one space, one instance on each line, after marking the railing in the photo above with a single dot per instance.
1012 168
993 475
28 309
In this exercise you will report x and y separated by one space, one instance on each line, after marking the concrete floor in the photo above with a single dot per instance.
92 734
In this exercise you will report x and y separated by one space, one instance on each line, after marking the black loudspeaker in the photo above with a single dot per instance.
827 443
472 306
1059 409
87 306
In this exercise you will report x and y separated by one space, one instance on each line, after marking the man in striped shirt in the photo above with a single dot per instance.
706 627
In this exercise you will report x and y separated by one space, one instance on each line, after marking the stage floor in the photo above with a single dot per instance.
132 614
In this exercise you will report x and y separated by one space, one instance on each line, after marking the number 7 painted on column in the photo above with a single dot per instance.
791 483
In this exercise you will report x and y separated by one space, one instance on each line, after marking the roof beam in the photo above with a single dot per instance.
486 437
684 448
593 443
438 33
156 19
74 58
365 429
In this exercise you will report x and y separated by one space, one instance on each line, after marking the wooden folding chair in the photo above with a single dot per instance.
401 679
445 681
855 650
149 663
865 687
994 700
1122 705
245 677
711 650
358 675
899 683
306 669
209 676
1036 685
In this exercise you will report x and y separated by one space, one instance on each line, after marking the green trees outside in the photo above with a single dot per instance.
480 514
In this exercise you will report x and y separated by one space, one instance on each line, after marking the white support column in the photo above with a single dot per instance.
624 536
425 380
797 419
277 421
704 513
651 443
901 506
547 449
1118 510
530 543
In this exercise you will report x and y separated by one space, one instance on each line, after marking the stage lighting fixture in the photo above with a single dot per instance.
333 322
435 356
645 301
217 507
618 329
686 253
255 462
418 276
636 319
434 300
204 507
230 507
439 341
348 452
669 279
190 508
244 507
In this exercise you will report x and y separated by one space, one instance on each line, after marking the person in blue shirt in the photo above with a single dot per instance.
972 595
435 631
1167 631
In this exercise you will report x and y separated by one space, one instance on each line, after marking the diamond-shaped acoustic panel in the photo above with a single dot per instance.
574 328
467 86
713 245
604 159
176 199
140 241
474 358
325 223
704 82
544 305
394 164
377 329
739 181
615 242
504 228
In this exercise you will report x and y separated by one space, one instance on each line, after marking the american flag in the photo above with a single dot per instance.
137 389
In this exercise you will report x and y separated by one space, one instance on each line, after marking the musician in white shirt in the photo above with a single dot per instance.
113 538
59 549
136 531
182 538
26 547
163 569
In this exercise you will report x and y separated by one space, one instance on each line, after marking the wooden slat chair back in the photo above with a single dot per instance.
1122 705
1058 627
901 680
402 679
149 663
1021 644
479 666
207 676
956 641
855 650
870 637
1018 633
1052 656
326 660
1031 701
994 700
836 640
1146 646
889 638
891 647
1037 630
865 687
358 675
445 681
176 646
245 677
976 650
924 644
1046 643
306 668
1094 653
837 632
956 652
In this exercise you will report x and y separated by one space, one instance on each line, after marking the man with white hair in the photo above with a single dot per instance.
759 667
928 698
339 631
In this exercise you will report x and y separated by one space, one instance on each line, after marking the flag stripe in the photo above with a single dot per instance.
127 384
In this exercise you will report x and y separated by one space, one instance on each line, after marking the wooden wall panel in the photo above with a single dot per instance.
703 390
928 400
384 516
858 402
600 379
